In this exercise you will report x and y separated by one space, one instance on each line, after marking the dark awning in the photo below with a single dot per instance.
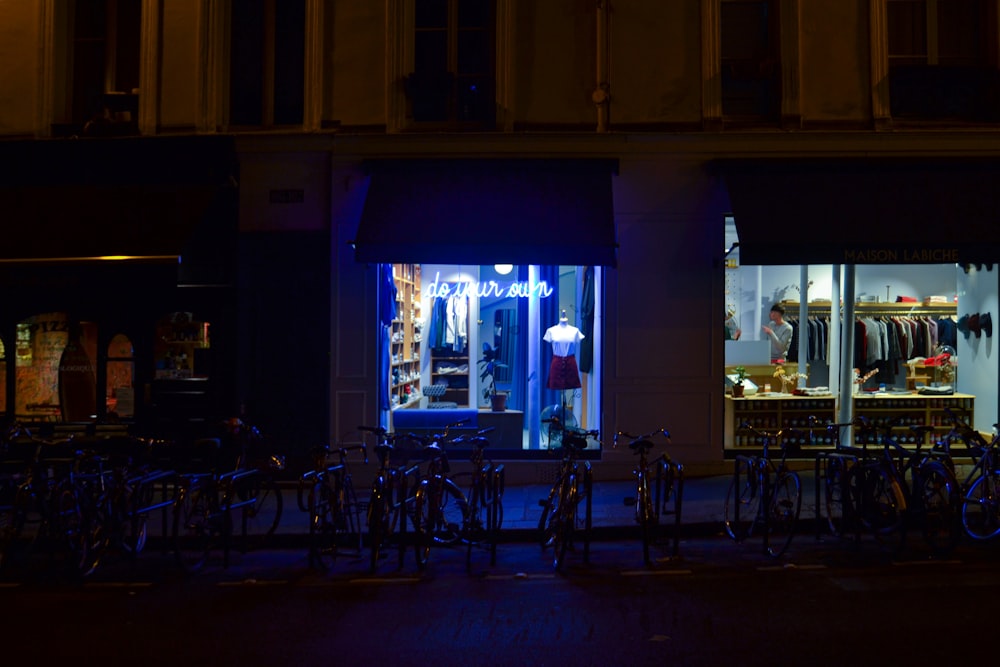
88 198
865 210
489 211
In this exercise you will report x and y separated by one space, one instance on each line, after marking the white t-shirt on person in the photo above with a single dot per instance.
564 338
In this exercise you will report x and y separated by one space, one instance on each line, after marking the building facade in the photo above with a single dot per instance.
767 111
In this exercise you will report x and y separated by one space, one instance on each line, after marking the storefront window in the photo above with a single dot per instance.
462 335
180 345
54 371
120 389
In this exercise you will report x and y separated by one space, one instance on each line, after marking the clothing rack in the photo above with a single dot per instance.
879 308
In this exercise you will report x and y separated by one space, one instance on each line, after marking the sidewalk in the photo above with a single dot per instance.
702 508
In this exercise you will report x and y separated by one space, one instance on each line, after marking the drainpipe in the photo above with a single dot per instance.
601 96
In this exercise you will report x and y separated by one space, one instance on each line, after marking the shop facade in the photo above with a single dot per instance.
896 277
497 298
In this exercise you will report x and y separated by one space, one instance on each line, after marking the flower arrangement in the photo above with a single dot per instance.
787 378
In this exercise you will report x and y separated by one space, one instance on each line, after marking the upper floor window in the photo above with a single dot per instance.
751 63
267 63
453 78
103 68
942 62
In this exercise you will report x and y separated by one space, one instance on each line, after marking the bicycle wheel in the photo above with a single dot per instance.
742 500
322 533
379 521
127 505
645 516
550 513
783 512
348 519
565 522
442 523
981 507
941 507
423 516
71 529
198 527
494 495
880 503
262 516
834 497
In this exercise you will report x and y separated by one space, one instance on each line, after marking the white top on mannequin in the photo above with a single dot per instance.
564 337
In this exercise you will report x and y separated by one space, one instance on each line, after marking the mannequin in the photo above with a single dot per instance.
564 337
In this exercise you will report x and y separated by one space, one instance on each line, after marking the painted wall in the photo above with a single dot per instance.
18 66
977 357
655 63
179 64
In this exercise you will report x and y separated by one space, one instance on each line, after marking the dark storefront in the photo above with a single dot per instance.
117 273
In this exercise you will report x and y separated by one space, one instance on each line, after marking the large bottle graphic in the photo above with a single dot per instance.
77 380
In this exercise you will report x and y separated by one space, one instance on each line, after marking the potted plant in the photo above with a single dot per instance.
488 364
741 374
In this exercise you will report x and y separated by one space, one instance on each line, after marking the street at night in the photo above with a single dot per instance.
824 604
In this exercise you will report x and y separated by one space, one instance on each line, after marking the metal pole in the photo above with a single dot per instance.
845 412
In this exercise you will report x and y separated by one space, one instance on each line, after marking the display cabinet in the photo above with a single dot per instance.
405 337
783 411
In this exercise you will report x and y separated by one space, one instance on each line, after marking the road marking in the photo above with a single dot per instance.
652 573
517 575
254 582
118 584
385 580
791 566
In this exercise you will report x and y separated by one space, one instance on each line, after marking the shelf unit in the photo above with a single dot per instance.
405 336
771 412
452 368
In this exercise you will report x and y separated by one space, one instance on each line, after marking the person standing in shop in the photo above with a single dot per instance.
779 333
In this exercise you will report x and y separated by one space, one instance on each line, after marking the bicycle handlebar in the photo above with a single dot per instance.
635 438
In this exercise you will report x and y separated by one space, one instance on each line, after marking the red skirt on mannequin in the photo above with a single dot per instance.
563 373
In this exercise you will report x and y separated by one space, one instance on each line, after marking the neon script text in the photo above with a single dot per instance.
471 288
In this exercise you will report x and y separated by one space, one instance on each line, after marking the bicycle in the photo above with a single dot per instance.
898 487
38 492
831 468
485 499
327 493
557 526
204 501
764 494
257 492
981 487
391 502
440 508
650 505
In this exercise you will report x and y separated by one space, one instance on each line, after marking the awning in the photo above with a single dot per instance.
865 210
73 200
489 211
